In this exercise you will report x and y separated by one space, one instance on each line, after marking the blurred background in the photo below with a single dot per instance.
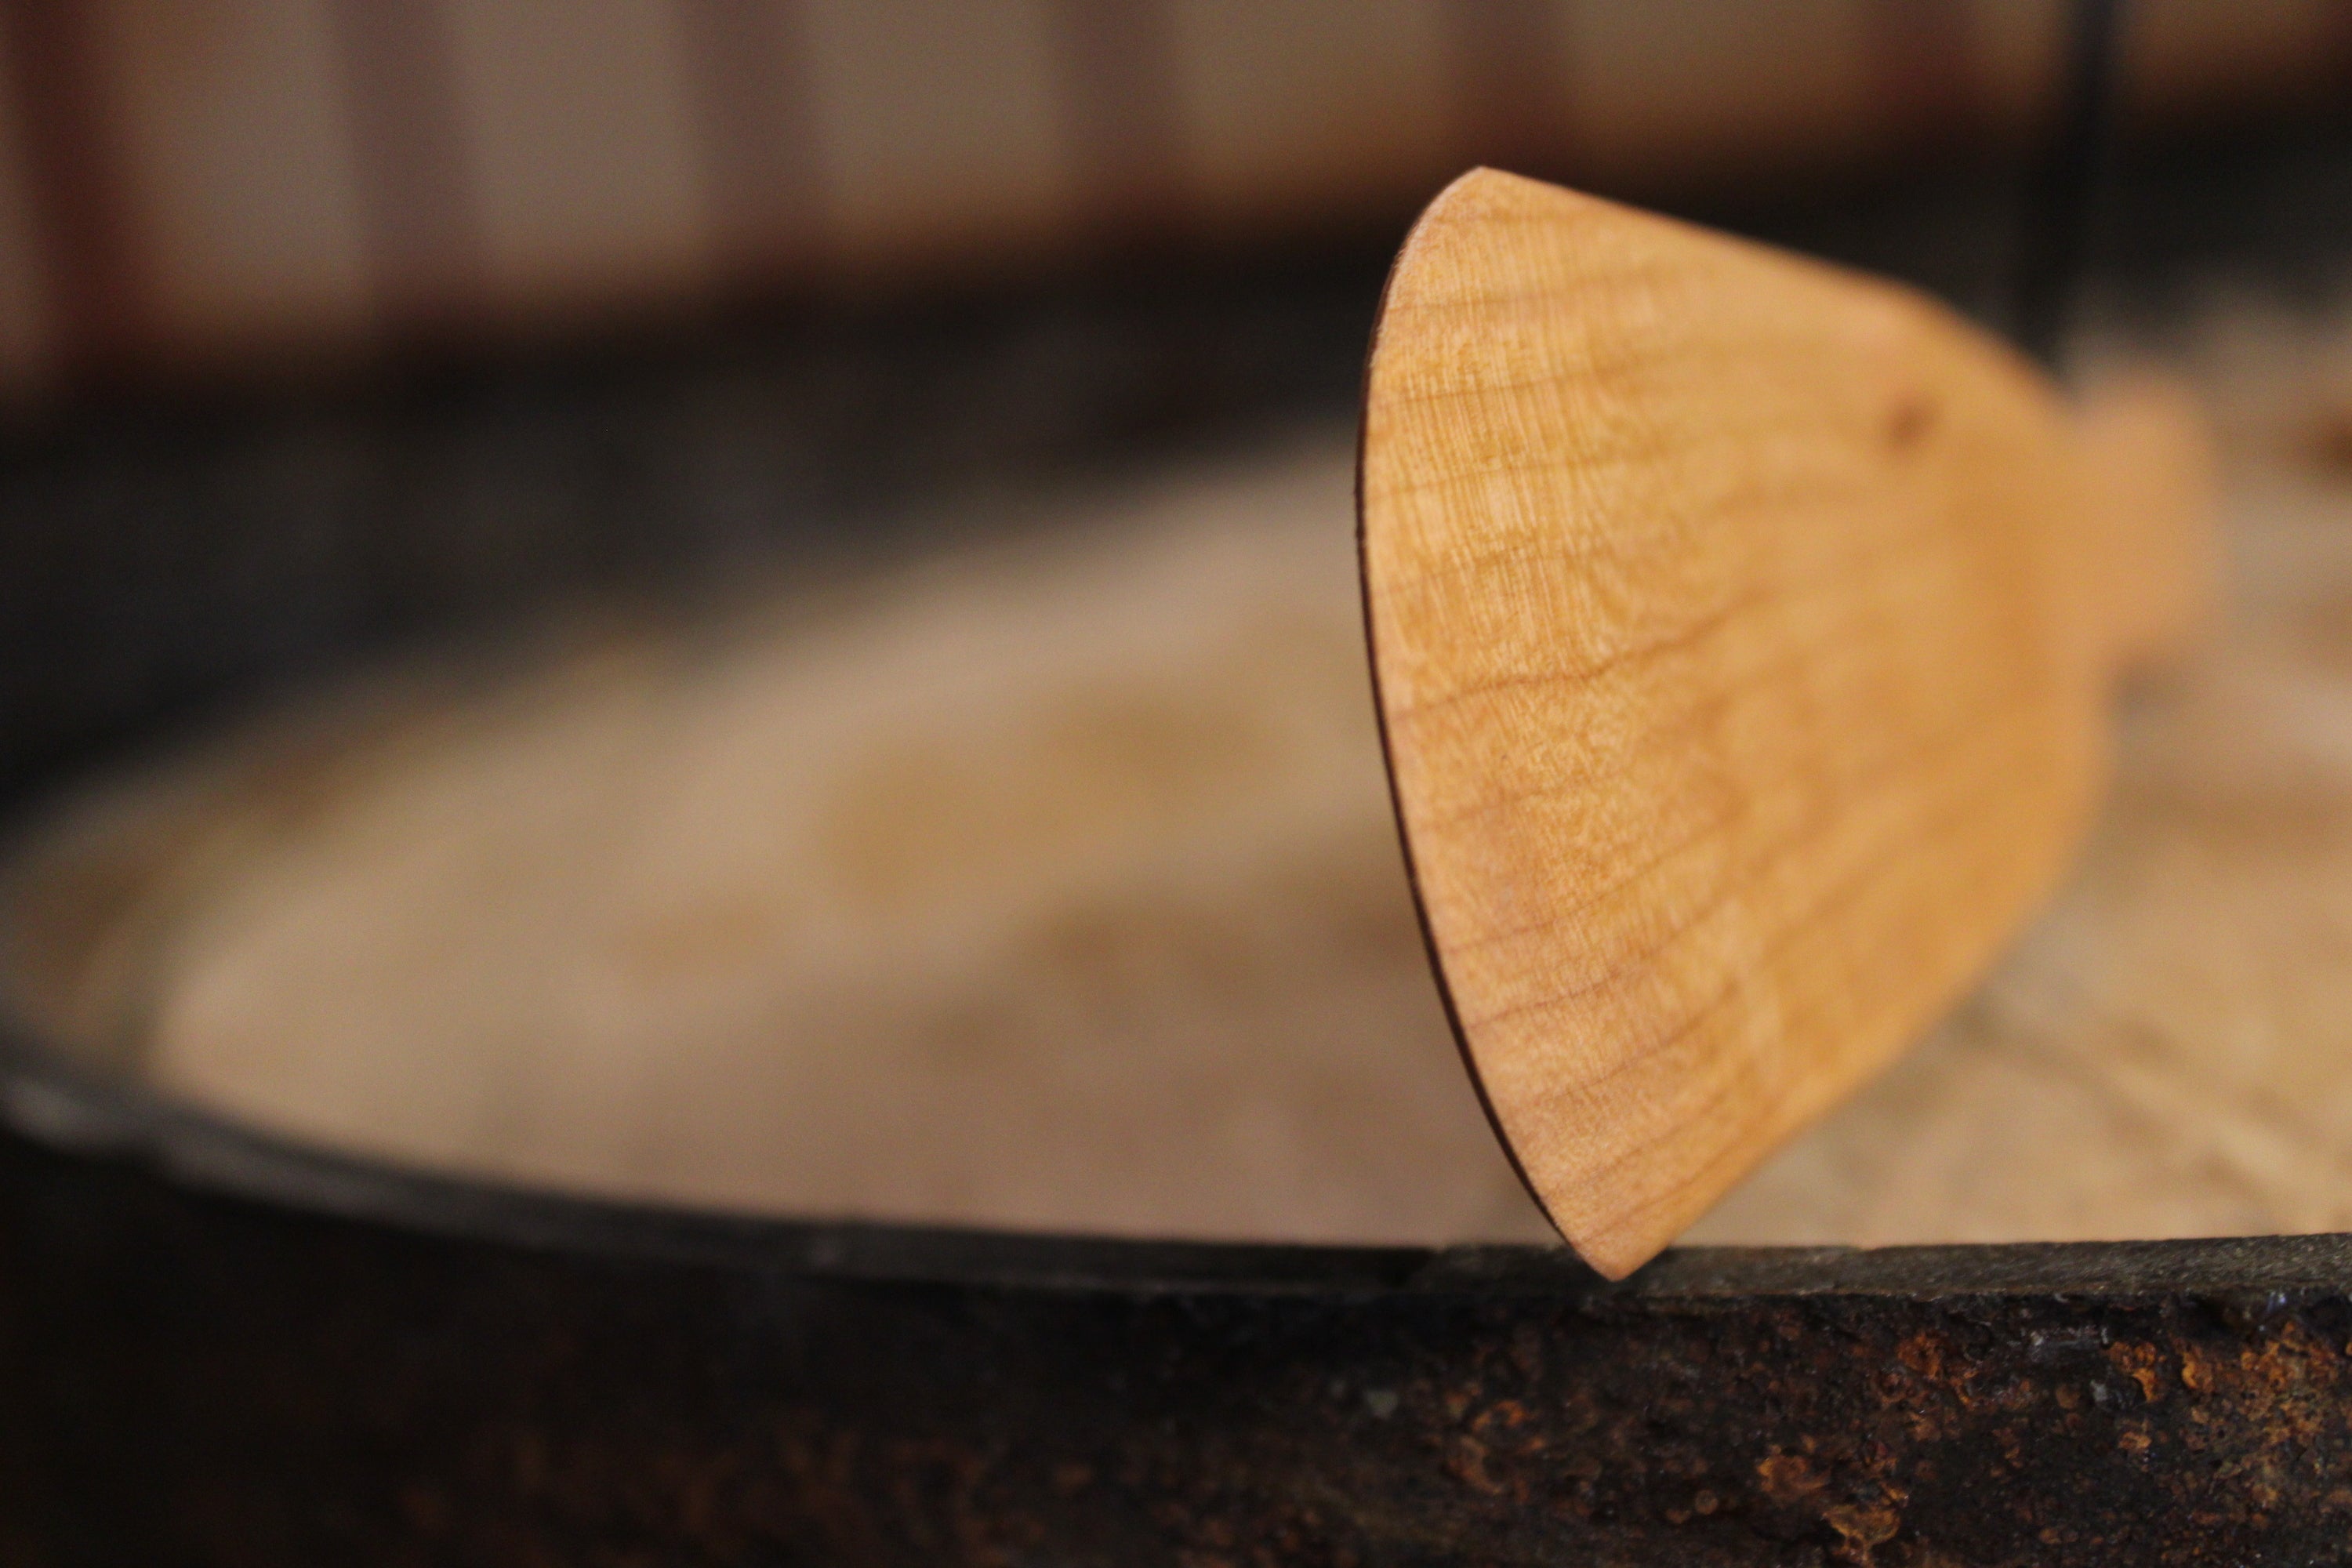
227 190
333 329
352 309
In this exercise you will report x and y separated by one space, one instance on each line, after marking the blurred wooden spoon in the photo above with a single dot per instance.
1743 630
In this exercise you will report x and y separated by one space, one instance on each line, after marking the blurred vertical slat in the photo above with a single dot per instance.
1312 109
1673 84
1511 85
938 128
748 62
28 335
2188 56
87 248
2015 47
1927 70
1120 119
411 163
238 156
580 126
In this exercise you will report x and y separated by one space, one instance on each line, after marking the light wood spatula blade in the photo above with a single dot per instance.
1741 631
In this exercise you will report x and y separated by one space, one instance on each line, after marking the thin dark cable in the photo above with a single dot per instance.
2065 184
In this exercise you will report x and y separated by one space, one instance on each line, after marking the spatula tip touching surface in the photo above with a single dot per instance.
1741 630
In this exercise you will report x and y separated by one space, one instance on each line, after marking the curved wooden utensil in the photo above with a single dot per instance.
1742 630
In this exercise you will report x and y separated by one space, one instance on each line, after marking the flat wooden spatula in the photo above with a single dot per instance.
1742 630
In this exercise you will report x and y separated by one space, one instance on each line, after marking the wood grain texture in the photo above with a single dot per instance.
1741 629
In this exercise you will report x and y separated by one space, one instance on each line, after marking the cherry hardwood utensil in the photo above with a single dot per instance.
1742 630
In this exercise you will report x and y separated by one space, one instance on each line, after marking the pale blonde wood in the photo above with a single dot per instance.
1742 630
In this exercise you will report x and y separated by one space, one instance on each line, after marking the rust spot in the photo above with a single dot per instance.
1923 1354
2139 1362
1503 1413
1861 1529
1789 1477
1467 1464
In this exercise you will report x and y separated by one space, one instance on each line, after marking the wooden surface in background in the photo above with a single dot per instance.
198 187
1053 886
1743 630
2161 1054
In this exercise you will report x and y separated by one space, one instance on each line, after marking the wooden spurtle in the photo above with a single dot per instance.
1743 630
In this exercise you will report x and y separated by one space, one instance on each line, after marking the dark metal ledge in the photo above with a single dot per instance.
191 1373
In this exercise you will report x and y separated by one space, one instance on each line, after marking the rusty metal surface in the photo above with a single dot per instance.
429 1375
